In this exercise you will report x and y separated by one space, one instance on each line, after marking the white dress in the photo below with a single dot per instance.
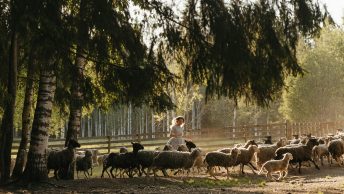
178 139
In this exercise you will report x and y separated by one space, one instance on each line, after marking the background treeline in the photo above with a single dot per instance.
317 96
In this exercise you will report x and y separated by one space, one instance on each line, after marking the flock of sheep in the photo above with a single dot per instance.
263 158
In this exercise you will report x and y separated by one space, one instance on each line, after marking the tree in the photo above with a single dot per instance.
241 49
36 166
318 95
7 124
26 119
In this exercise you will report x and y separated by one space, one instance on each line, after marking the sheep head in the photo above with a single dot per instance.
190 145
137 146
72 143
288 156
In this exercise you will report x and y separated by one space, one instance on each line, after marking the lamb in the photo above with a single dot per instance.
84 164
175 160
220 159
336 149
280 166
245 157
61 160
301 153
126 161
267 152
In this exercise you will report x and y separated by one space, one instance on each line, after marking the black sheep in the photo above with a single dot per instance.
301 153
61 160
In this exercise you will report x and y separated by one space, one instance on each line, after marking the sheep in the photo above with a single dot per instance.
199 164
145 160
301 153
245 158
101 159
167 147
123 150
248 143
95 154
84 164
175 160
267 153
321 150
126 161
190 145
280 166
336 149
182 148
61 160
108 161
268 140
221 159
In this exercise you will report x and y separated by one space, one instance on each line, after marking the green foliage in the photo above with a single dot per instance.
242 49
318 95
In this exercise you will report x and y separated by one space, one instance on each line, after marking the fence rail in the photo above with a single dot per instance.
207 138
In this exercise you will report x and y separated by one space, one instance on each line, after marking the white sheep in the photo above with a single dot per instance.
280 166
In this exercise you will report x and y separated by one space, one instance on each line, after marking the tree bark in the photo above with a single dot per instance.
7 125
76 101
26 117
36 167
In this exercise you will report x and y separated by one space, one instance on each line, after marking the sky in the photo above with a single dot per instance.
335 8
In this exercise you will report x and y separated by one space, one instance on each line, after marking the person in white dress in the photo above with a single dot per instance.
176 133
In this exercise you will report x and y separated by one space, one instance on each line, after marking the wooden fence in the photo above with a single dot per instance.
207 138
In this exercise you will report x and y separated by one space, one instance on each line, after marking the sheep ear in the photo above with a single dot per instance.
132 143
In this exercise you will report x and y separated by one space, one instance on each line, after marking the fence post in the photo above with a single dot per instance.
245 133
287 129
138 137
109 143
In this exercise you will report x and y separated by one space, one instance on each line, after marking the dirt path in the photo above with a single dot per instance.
327 180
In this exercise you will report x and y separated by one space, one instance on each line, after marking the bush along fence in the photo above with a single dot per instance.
206 138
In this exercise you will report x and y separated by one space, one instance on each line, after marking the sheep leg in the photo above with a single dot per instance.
227 172
286 173
211 172
253 168
111 172
55 174
242 168
91 171
85 174
299 167
270 176
77 174
164 172
316 166
154 172
105 169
